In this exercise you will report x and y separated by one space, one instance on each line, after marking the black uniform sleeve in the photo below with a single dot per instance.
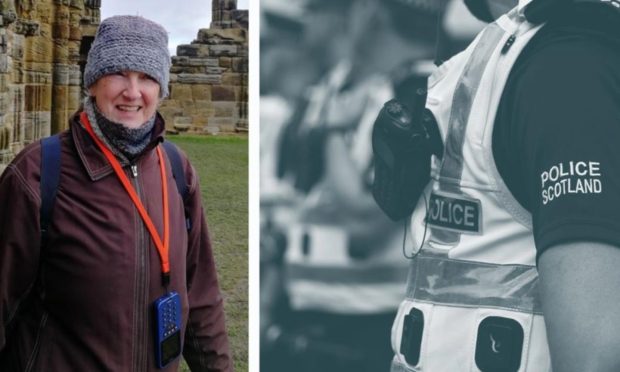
557 138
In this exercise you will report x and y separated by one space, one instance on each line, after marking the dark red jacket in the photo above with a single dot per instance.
83 302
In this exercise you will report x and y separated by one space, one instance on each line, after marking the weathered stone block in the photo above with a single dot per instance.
4 103
215 70
210 129
38 97
222 122
93 4
226 4
194 61
201 91
62 31
37 77
75 76
193 50
243 51
222 93
61 74
225 62
60 121
74 98
75 32
60 97
17 46
45 11
222 50
45 30
180 92
3 42
61 51
37 124
182 123
187 104
5 63
232 79
199 79
202 105
38 66
73 50
27 28
243 126
175 69
169 113
239 64
222 36
241 93
39 49
4 86
224 109
225 124
197 123
78 4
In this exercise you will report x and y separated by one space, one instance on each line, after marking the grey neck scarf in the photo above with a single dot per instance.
125 143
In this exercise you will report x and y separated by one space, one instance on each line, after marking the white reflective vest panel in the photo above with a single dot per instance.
477 262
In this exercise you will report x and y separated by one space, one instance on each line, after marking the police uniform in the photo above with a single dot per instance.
472 299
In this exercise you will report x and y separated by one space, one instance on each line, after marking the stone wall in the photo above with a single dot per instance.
43 46
209 77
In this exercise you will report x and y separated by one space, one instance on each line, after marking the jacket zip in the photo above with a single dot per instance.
140 339
37 344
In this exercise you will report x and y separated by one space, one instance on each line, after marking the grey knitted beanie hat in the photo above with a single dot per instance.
129 43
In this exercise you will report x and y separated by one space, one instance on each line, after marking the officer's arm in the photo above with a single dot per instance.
581 298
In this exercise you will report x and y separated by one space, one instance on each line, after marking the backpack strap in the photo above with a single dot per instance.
179 175
50 177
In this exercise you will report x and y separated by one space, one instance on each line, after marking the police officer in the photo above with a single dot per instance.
520 216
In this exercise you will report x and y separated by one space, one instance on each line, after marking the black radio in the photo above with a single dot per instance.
403 140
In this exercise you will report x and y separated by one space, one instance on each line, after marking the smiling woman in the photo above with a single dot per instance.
114 220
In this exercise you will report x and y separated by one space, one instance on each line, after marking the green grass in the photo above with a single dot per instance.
222 165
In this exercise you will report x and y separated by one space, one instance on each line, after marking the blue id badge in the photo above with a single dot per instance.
167 328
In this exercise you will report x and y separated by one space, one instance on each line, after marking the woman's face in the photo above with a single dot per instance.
126 97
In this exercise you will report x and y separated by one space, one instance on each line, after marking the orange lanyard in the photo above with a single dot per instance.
162 248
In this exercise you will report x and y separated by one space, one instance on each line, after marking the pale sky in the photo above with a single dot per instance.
182 18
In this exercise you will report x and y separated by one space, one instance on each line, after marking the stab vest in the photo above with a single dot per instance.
472 301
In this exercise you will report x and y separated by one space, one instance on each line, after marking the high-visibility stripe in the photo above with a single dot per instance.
464 94
451 169
441 280
360 274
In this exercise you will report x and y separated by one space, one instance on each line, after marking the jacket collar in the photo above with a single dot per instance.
95 163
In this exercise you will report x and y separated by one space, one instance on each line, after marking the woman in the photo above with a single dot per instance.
85 297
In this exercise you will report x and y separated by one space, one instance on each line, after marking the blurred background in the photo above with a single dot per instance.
332 265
